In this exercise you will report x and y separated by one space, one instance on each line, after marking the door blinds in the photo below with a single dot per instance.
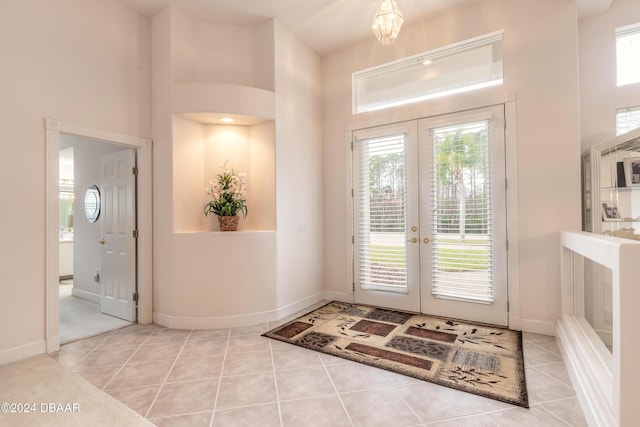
462 220
380 200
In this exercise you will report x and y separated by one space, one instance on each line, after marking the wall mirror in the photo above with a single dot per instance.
92 203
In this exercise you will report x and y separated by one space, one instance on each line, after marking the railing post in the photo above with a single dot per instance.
626 345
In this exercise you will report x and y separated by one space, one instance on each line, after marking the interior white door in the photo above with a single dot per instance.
118 227
463 253
385 192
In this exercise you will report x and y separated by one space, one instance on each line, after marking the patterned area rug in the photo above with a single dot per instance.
476 358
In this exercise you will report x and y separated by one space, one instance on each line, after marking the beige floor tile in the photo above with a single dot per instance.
107 356
137 398
246 390
433 402
184 398
536 355
203 348
241 344
88 343
568 410
522 417
543 388
155 352
353 376
250 330
556 370
191 420
248 363
98 376
139 374
293 357
318 412
303 384
196 368
167 335
126 339
249 416
71 357
378 408
209 334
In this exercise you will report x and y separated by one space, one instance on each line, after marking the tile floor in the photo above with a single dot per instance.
235 377
80 318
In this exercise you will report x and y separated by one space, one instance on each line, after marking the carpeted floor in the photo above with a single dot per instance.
480 359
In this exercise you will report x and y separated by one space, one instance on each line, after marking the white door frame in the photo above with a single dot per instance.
53 129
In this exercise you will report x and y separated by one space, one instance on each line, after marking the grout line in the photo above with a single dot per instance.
146 415
224 360
126 361
275 381
397 392
178 415
344 408
553 415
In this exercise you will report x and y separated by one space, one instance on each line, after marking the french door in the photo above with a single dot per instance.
430 216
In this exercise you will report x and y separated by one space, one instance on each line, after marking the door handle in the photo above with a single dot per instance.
101 241
413 240
426 240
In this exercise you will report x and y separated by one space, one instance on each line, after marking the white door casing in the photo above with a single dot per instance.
118 225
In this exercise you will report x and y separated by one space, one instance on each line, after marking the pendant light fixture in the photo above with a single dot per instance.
387 22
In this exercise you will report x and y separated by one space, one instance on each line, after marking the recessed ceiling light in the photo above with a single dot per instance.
227 120
427 62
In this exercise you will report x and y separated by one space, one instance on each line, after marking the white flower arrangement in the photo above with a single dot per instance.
227 192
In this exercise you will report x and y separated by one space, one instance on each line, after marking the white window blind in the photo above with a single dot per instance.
381 258
462 220
628 54
627 119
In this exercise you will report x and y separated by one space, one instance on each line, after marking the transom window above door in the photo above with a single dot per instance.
461 67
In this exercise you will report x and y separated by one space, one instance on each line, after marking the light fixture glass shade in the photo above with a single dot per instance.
387 22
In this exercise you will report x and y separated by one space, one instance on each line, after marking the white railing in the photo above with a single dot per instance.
606 382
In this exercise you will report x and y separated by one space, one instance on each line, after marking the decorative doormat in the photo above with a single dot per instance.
476 358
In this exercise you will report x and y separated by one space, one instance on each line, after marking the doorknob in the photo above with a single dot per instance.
426 240
101 241
413 240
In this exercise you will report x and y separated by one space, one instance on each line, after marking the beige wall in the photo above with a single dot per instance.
274 262
599 95
298 168
540 63
85 62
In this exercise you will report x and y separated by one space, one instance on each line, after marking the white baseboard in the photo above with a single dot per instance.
591 378
337 296
537 327
24 351
86 295
246 319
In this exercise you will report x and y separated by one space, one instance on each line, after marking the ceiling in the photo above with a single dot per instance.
316 21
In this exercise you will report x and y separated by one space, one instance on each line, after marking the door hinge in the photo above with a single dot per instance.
135 234
353 240
506 184
507 306
135 297
351 145
134 170
352 193
353 287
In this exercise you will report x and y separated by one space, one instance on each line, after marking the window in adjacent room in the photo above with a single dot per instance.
627 119
628 54
461 67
